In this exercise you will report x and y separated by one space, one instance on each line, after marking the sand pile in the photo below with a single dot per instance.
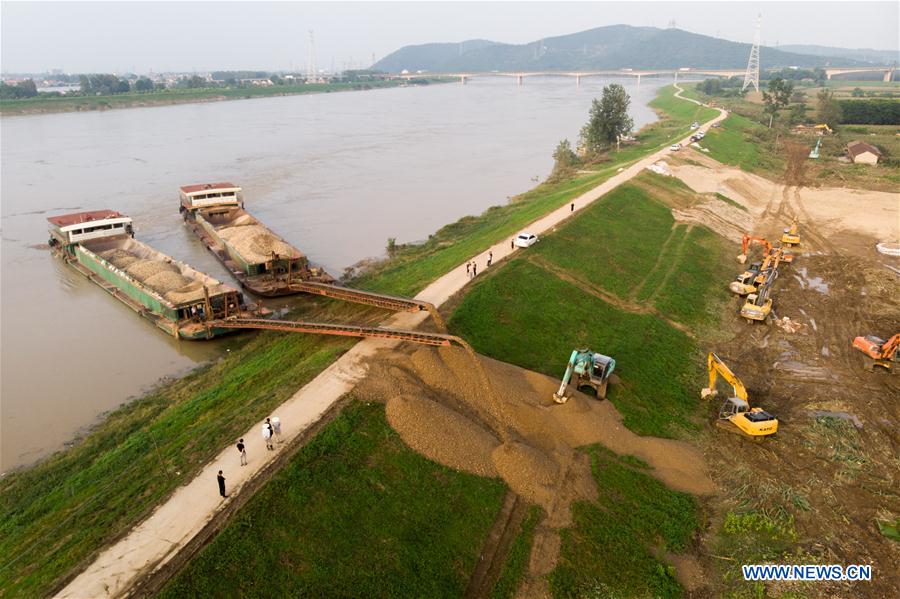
165 281
256 243
119 258
438 403
143 269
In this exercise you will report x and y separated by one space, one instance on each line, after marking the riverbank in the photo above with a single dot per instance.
46 105
162 441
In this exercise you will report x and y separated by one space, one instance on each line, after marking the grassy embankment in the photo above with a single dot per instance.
423 523
745 140
44 104
52 519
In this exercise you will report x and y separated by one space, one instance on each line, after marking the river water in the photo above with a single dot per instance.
335 174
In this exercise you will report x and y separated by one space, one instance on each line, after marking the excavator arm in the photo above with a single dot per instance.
747 241
716 367
560 396
889 349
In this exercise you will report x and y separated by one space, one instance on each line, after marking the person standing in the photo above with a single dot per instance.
572 207
221 480
276 428
243 452
490 258
468 269
474 269
512 244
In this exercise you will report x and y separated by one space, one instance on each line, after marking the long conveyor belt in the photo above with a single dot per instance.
389 302
320 328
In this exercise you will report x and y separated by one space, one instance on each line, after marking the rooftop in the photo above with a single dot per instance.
207 187
66 220
860 147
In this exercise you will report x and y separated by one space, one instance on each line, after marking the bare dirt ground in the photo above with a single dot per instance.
834 462
435 400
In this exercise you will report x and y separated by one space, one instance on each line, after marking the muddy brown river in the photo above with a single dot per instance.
335 174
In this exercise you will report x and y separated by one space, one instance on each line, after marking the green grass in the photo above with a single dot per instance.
728 200
670 252
610 549
356 513
736 142
517 559
173 96
753 537
523 314
693 292
613 243
57 513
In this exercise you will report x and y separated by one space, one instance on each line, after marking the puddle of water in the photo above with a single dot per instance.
814 283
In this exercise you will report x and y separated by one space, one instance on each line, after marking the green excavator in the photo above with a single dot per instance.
586 369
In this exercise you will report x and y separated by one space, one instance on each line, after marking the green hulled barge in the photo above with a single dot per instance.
260 260
181 301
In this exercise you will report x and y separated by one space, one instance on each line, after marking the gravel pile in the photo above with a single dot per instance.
144 269
256 243
119 258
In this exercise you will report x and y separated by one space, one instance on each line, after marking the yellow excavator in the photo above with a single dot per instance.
791 237
758 304
736 415
758 274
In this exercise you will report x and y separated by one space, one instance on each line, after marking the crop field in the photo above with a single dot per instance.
610 550
356 490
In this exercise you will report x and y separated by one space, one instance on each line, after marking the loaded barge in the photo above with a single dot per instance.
260 260
181 301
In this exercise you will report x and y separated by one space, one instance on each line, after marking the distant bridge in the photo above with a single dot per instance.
579 75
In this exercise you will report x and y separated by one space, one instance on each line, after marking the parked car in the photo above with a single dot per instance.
675 147
695 125
524 240
700 135
695 138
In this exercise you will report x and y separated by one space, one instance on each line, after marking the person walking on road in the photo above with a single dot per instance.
267 434
474 269
572 207
512 244
243 452
490 258
469 269
221 480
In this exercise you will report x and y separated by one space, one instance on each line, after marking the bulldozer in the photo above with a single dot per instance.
586 369
758 304
791 236
736 415
879 352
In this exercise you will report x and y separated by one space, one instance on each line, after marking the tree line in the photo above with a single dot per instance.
870 112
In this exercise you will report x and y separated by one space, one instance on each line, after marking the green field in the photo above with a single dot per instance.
43 104
610 551
355 513
738 143
516 564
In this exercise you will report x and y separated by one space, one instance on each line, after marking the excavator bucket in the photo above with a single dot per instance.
742 258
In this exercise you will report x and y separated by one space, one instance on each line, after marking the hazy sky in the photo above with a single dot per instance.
185 36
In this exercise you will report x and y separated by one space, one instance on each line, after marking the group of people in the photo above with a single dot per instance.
472 267
270 431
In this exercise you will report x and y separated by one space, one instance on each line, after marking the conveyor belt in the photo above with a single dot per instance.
319 328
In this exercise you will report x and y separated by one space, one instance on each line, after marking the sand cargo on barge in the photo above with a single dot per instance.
259 259
176 298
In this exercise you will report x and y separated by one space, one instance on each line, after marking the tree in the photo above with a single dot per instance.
778 96
829 109
857 93
563 155
143 85
608 120
797 114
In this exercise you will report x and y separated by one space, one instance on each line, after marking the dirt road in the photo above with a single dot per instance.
155 541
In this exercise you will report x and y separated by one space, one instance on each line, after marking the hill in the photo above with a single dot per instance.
886 57
612 47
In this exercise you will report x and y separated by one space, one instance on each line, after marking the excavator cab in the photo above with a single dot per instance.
758 305
744 283
586 369
791 236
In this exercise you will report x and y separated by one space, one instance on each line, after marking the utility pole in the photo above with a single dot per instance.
752 75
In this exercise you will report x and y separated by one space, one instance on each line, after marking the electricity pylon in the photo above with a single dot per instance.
752 75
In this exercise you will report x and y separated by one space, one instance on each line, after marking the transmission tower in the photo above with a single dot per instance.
311 75
752 75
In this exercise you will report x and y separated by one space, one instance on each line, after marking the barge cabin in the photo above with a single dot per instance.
259 259
176 298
